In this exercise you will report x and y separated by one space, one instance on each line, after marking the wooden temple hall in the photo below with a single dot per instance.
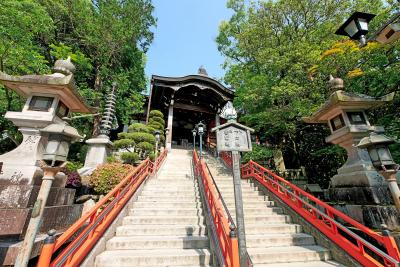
185 101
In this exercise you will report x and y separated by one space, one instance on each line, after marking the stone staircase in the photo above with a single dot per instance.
270 237
165 227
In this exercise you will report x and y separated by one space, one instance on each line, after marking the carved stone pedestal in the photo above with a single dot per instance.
99 149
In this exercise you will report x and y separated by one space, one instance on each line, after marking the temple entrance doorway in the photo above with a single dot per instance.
183 123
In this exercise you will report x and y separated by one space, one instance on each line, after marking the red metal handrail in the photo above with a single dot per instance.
92 225
325 218
228 243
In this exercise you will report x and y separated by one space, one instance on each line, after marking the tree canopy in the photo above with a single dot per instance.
279 55
106 39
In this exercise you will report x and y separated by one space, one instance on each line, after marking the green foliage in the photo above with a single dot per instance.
157 119
112 159
279 55
142 137
107 41
145 147
108 175
259 153
73 166
130 157
138 127
123 143
156 125
152 156
155 114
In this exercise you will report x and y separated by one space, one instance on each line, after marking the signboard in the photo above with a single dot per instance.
233 136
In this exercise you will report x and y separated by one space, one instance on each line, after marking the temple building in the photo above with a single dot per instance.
185 101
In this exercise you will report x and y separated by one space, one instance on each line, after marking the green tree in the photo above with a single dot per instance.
275 60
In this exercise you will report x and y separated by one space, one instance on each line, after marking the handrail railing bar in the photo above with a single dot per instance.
221 198
264 173
215 240
314 199
105 211
96 222
98 205
344 228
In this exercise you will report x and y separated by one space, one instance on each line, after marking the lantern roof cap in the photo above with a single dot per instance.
367 16
62 129
341 100
57 84
375 139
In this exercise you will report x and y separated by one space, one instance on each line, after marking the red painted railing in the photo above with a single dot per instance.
325 218
228 244
92 225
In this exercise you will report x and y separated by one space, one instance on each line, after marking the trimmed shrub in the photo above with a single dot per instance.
156 125
152 156
143 137
145 147
129 157
108 175
158 120
156 113
138 128
123 143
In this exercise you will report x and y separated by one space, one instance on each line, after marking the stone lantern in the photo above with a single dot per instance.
358 183
49 98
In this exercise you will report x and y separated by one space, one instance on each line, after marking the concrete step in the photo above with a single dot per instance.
271 228
161 229
163 220
169 198
278 240
167 204
153 257
186 193
157 242
288 254
264 218
302 264
149 211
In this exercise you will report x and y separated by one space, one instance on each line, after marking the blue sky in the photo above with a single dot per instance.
185 37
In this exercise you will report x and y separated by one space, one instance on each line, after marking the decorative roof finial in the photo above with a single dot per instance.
63 66
335 84
109 112
202 71
229 112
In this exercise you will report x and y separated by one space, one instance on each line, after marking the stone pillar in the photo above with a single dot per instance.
169 125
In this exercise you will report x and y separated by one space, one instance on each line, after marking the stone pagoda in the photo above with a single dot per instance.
49 98
357 184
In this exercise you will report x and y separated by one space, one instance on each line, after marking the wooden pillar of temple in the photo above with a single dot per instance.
169 125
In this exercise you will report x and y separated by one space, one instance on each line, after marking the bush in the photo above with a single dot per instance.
152 156
259 153
157 126
137 128
143 137
158 120
145 147
108 175
129 157
73 180
112 158
156 113
123 143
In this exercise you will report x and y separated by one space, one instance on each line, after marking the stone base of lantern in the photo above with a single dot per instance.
16 203
98 151
361 195
373 216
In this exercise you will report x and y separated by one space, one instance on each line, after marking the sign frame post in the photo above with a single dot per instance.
235 137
